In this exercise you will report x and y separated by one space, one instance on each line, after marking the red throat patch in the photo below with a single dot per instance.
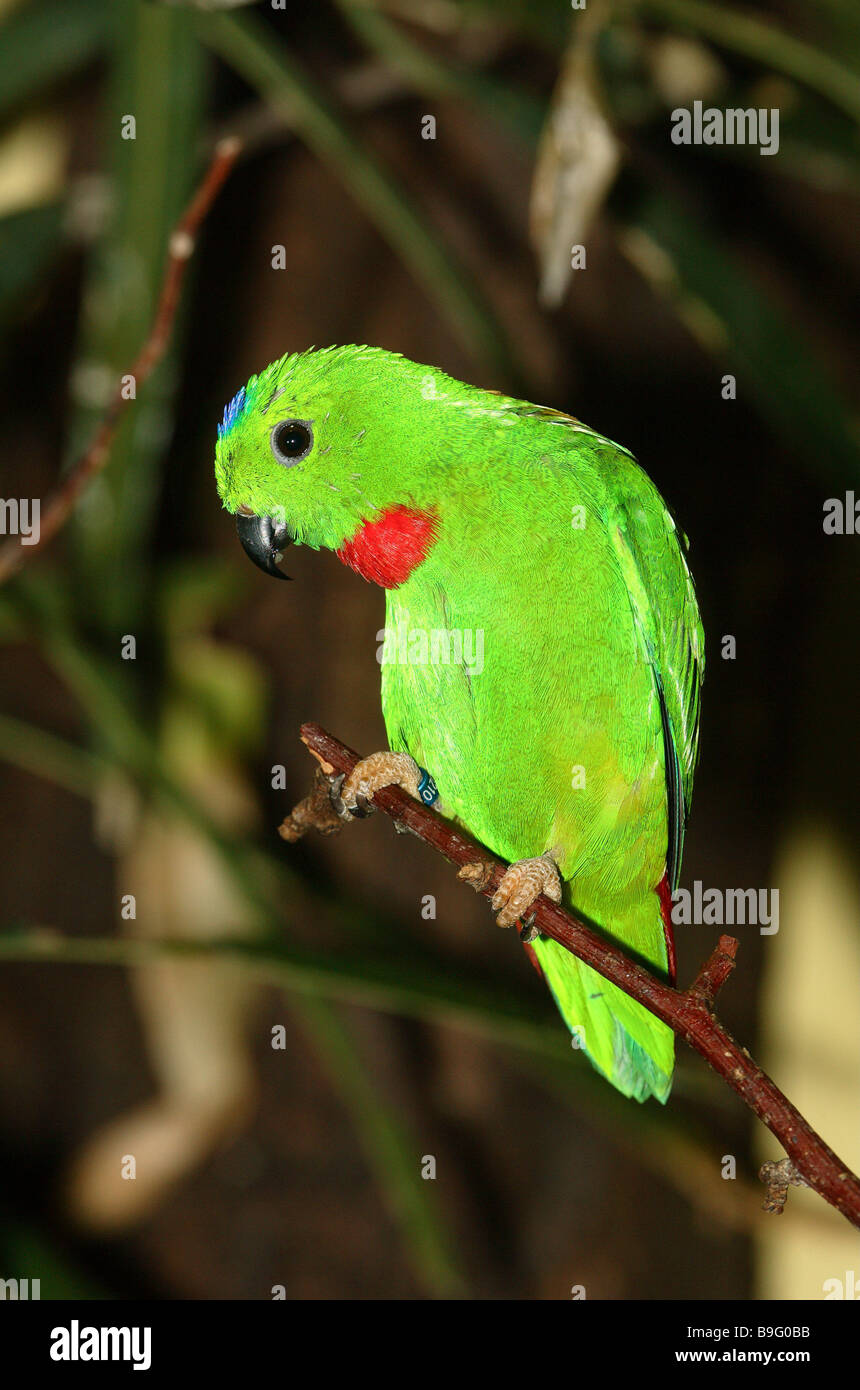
388 550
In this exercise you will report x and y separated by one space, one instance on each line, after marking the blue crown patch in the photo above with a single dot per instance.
232 413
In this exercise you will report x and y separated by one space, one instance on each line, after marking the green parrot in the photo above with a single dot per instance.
543 651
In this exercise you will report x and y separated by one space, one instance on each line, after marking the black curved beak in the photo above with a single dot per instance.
264 540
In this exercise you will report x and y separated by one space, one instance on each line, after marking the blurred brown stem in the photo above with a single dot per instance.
180 249
688 1012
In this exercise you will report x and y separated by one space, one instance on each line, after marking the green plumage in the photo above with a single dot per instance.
579 733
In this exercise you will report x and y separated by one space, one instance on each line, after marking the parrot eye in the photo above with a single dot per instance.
291 441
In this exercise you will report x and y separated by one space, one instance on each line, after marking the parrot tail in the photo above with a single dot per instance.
621 1039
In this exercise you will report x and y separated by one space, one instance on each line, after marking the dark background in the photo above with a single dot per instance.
300 1165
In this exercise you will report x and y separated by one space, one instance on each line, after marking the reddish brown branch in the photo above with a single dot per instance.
180 249
315 812
688 1012
715 971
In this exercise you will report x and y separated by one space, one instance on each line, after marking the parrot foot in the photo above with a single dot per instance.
352 796
520 885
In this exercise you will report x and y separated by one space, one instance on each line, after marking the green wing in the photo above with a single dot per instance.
650 550
628 1045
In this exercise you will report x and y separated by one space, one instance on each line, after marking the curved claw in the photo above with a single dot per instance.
360 811
335 797
528 929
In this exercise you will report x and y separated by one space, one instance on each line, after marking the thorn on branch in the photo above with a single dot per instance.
778 1174
714 973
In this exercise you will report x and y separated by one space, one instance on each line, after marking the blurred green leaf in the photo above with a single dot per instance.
390 981
63 763
510 105
764 42
814 145
546 22
28 241
158 76
245 43
26 1252
392 1149
744 329
43 42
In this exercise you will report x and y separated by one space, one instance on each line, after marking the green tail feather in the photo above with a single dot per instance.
621 1039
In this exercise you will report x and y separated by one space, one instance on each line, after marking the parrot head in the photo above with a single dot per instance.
346 448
